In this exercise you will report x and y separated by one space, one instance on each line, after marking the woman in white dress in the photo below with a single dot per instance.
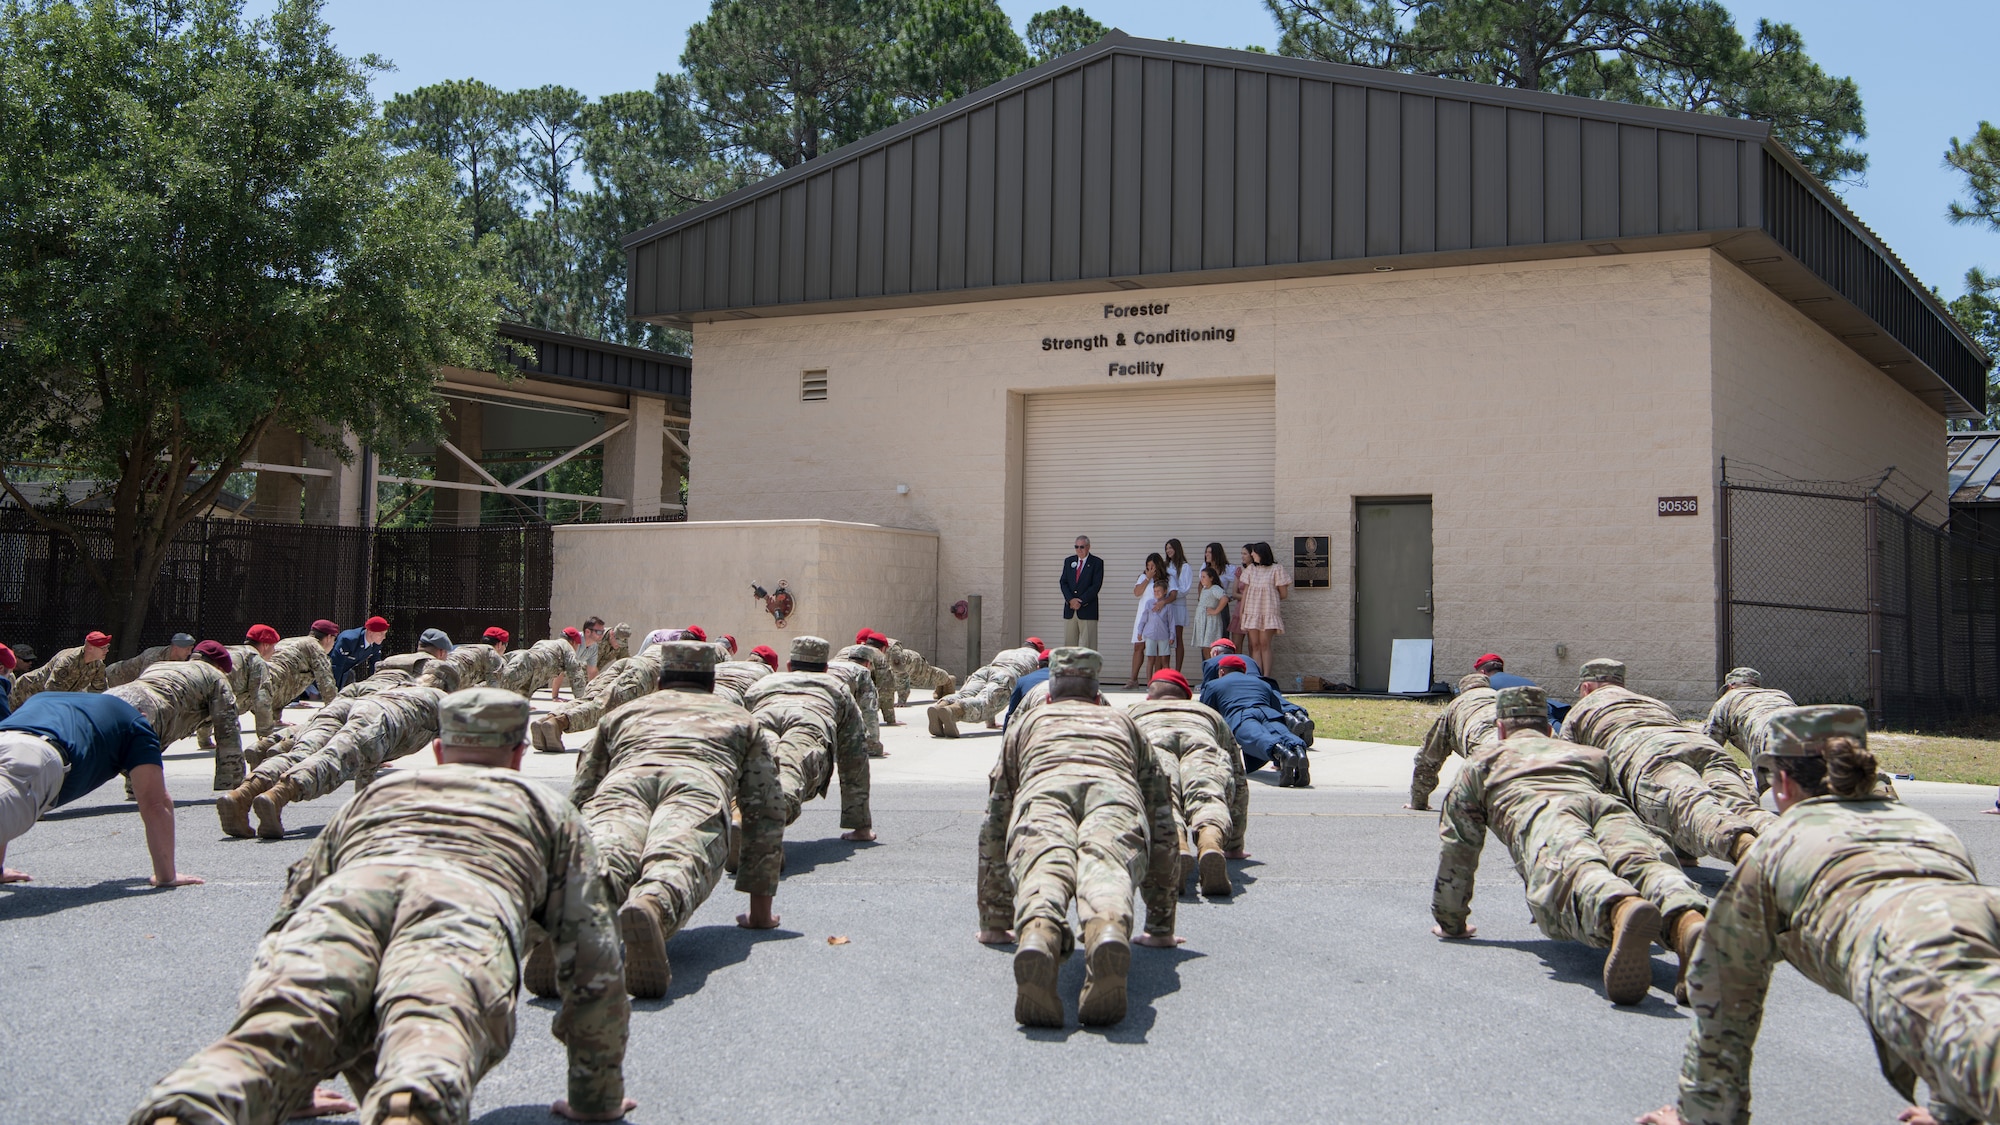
1143 589
1181 576
1217 556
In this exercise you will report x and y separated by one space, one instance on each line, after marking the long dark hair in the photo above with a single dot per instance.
1215 555
1261 552
1155 557
1176 554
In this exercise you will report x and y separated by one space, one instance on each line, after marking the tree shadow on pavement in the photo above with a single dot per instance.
1570 962
36 900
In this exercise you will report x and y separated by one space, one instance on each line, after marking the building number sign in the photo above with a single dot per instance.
1680 505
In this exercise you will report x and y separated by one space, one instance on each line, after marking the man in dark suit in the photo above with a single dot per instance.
1082 577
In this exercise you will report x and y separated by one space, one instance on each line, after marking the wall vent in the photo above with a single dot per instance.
812 386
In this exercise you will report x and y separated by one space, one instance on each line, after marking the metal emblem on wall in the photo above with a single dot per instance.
1310 568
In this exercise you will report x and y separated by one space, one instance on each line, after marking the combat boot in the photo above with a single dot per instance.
546 733
1107 958
539 973
1686 933
1628 967
945 718
402 1110
1210 862
233 807
647 972
1293 770
270 806
1740 845
1037 958
949 685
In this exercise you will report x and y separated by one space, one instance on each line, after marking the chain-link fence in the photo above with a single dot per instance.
221 576
1845 597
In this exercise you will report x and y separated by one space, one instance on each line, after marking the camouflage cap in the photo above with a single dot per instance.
1523 703
622 630
483 716
1475 680
1797 732
1068 661
1602 671
1743 677
811 650
697 657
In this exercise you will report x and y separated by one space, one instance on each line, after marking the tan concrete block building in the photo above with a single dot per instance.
1471 358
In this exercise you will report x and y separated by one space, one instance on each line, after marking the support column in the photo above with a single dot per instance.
279 495
340 498
630 459
464 427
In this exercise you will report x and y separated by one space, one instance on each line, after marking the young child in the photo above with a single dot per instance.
1209 610
1156 628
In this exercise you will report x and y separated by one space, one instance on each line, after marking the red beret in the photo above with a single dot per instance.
377 625
495 635
214 653
730 641
1036 644
697 632
767 654
861 635
1225 643
1233 664
6 658
1169 675
325 626
261 635
1489 658
96 639
572 634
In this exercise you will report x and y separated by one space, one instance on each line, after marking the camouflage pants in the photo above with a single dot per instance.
584 712
231 766
355 752
402 978
917 673
984 694
1934 994
1581 854
1210 789
805 754
276 756
1680 803
1076 838
663 834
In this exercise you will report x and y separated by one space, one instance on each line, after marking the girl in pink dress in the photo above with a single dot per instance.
1262 584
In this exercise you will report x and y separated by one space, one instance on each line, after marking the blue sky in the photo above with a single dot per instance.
1924 76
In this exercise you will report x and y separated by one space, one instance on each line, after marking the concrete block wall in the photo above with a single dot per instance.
843 577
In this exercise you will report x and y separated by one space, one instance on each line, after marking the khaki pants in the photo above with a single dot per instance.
31 775
1078 633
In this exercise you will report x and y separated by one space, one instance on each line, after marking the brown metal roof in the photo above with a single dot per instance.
1134 163
1974 460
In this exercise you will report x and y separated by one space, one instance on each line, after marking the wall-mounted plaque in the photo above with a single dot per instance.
1310 570
1680 505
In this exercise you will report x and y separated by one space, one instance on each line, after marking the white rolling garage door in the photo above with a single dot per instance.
1131 469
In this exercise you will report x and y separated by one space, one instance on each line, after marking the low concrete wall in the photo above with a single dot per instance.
843 577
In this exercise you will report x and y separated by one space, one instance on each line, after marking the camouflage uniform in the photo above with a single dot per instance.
297 662
1077 808
1575 845
66 671
529 670
911 670
1203 765
883 674
734 677
983 697
813 723
248 681
861 682
351 737
465 667
1464 726
179 697
393 958
616 646
1680 783
120 672
1876 903
616 684
655 786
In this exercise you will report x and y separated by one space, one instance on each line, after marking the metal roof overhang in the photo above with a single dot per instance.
584 362
1136 164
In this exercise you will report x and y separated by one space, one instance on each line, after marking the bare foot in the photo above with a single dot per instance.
562 1109
326 1103
1239 853
9 875
180 880
1916 1115
750 921
1665 1115
995 937
1415 807
1159 942
1469 931
861 834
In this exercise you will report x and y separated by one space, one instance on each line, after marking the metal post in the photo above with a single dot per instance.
972 612
1725 641
1871 530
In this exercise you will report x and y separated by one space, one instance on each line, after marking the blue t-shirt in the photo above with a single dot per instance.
1021 688
105 736
6 689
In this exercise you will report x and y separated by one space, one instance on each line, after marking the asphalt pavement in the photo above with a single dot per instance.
1315 993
